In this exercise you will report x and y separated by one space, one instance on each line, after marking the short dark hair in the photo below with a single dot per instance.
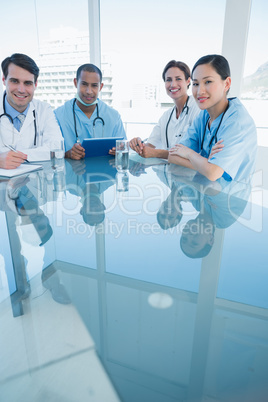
199 254
179 64
218 62
207 247
23 61
90 68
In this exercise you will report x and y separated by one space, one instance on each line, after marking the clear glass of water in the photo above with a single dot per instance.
122 155
57 153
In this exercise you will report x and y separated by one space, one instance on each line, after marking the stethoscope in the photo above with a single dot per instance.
186 108
12 121
94 122
215 135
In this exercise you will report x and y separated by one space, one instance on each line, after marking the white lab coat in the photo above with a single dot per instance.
176 128
47 131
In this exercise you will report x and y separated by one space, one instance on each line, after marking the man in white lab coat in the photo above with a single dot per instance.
28 127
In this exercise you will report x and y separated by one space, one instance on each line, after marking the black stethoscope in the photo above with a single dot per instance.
12 121
215 135
185 107
94 122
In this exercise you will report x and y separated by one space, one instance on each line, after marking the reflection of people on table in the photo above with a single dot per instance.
197 237
92 209
86 116
170 212
137 168
89 186
139 165
222 141
218 206
216 210
16 197
175 121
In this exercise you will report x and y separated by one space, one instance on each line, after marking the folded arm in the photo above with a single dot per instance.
184 156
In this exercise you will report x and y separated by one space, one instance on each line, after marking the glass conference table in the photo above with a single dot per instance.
144 285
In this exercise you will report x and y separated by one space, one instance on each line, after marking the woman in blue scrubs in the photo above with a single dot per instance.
222 142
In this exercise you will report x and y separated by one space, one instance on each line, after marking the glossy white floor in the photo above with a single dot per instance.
48 360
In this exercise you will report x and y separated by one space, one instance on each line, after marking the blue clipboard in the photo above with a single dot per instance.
99 146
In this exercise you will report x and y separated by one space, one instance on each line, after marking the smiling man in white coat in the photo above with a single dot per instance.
28 127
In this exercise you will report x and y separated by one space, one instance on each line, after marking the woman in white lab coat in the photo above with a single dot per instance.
175 121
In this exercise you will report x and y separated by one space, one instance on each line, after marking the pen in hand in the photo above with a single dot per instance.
139 144
14 150
142 142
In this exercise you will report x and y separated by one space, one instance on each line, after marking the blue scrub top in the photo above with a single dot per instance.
113 126
239 135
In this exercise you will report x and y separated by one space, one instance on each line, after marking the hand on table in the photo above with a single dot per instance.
148 151
112 151
11 159
181 150
76 152
137 145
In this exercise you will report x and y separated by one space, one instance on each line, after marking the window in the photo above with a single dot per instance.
255 84
52 36
139 38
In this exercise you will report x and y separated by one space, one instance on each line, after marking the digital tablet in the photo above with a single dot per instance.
99 146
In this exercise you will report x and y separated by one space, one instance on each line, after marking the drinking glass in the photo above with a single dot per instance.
122 155
57 153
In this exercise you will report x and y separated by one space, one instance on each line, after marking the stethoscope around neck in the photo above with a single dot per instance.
12 120
214 137
186 108
94 122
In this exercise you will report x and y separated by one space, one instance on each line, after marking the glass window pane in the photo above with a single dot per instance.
50 33
255 84
139 38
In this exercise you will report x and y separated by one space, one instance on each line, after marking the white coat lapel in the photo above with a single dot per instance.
29 118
